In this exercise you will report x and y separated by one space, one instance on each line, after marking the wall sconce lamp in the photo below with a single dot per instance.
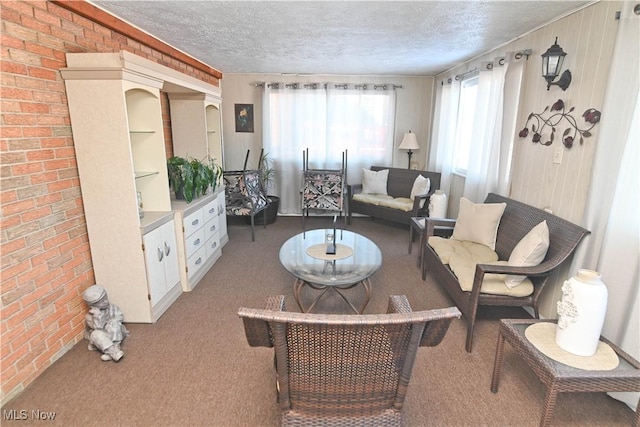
409 142
552 61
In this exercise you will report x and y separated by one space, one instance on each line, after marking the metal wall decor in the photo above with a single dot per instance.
555 116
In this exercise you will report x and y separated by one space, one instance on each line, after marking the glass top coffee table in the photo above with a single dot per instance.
356 259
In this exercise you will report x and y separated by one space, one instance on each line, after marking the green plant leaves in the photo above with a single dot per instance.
191 178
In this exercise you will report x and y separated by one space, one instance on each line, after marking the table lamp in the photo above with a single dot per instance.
409 142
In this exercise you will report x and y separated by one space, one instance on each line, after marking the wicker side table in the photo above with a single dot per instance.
559 378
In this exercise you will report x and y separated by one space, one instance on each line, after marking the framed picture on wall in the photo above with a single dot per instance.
244 117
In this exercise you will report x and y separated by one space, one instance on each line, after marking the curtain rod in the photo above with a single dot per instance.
360 86
460 76
489 65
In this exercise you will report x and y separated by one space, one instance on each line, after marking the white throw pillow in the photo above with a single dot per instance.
529 251
478 222
374 182
421 185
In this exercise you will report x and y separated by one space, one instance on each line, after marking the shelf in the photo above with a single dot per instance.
144 174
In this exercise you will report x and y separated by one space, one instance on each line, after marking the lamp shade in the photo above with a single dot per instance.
409 142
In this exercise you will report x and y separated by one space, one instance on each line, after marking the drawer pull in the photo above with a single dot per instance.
198 261
213 228
195 222
196 242
212 210
160 254
167 249
213 245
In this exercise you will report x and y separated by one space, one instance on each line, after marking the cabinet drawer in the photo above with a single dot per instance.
212 246
194 242
196 261
211 228
193 222
210 210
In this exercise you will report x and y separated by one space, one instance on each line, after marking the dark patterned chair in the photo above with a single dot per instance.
344 370
323 189
244 195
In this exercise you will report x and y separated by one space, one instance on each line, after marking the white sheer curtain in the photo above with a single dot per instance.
513 82
293 120
484 155
489 167
362 122
441 151
612 213
327 121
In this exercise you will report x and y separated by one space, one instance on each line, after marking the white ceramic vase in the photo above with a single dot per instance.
438 205
581 313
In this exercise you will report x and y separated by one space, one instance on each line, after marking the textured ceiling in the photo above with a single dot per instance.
337 37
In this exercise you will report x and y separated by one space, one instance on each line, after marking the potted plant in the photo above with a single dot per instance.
191 178
268 173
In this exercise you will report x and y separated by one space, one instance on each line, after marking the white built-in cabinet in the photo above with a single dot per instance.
116 121
202 235
196 131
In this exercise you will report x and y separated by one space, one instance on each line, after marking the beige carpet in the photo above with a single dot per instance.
194 367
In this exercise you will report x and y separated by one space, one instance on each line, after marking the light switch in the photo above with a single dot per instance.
557 156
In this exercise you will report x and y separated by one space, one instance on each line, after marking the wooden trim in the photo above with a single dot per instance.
101 17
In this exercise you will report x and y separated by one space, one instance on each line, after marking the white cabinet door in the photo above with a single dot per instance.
161 256
222 215
154 257
170 246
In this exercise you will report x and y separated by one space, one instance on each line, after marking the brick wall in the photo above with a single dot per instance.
46 262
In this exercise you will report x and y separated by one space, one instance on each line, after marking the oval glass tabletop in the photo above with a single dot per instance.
299 255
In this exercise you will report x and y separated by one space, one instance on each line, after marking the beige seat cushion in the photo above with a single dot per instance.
372 199
446 248
401 203
465 269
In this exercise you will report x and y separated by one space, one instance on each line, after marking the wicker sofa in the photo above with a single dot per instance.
399 185
516 222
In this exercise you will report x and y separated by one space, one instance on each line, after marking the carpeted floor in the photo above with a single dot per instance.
194 368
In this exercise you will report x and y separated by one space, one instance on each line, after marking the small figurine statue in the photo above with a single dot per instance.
103 324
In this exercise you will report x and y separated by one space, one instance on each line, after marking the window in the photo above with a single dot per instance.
464 124
326 120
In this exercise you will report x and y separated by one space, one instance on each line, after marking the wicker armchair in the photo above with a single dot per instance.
244 195
344 370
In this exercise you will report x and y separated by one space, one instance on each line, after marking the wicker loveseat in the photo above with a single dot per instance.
517 220
394 208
